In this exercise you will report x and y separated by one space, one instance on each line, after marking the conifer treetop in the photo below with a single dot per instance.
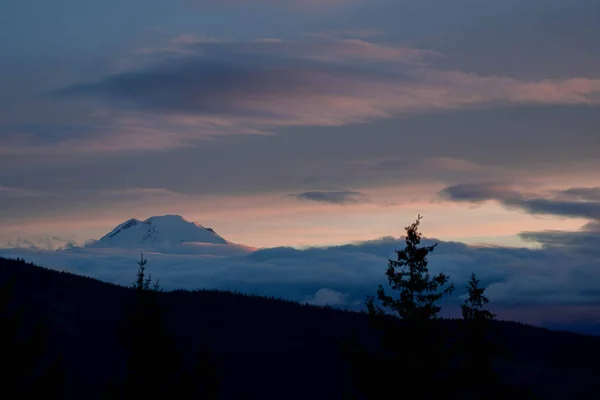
418 291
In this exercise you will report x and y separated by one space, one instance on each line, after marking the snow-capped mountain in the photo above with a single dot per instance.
159 230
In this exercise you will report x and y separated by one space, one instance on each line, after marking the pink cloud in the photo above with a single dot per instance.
325 100
312 85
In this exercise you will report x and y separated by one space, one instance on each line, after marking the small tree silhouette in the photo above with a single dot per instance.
142 283
153 361
479 351
155 366
409 275
472 308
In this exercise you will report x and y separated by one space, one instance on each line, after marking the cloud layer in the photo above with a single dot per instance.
515 278
196 87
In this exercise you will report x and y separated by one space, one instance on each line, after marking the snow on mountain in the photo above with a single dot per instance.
160 230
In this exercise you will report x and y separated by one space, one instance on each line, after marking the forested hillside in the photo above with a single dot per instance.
229 345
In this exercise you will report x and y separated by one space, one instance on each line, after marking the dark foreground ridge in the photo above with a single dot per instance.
250 346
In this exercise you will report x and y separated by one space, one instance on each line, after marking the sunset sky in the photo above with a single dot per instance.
307 122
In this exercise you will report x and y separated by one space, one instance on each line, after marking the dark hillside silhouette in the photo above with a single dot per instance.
257 347
155 367
28 367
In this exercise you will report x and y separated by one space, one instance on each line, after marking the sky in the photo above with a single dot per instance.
303 127
297 122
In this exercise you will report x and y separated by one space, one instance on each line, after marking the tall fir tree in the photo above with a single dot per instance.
412 352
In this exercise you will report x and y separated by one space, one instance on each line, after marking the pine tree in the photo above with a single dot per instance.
155 366
142 283
409 275
153 361
479 351
413 352
472 308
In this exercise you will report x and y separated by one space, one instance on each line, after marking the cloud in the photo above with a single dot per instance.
43 243
194 88
585 240
573 203
333 197
477 193
591 194
326 296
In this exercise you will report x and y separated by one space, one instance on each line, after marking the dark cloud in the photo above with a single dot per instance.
272 83
556 207
586 240
196 85
591 194
333 197
476 193
225 77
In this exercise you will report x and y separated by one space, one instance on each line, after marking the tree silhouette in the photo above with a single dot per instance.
142 283
472 308
479 351
411 349
409 275
155 367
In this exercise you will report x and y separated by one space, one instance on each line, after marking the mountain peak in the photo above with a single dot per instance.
166 229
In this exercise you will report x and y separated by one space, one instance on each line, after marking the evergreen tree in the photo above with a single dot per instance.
152 357
409 275
479 351
472 308
142 283
412 350
155 366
